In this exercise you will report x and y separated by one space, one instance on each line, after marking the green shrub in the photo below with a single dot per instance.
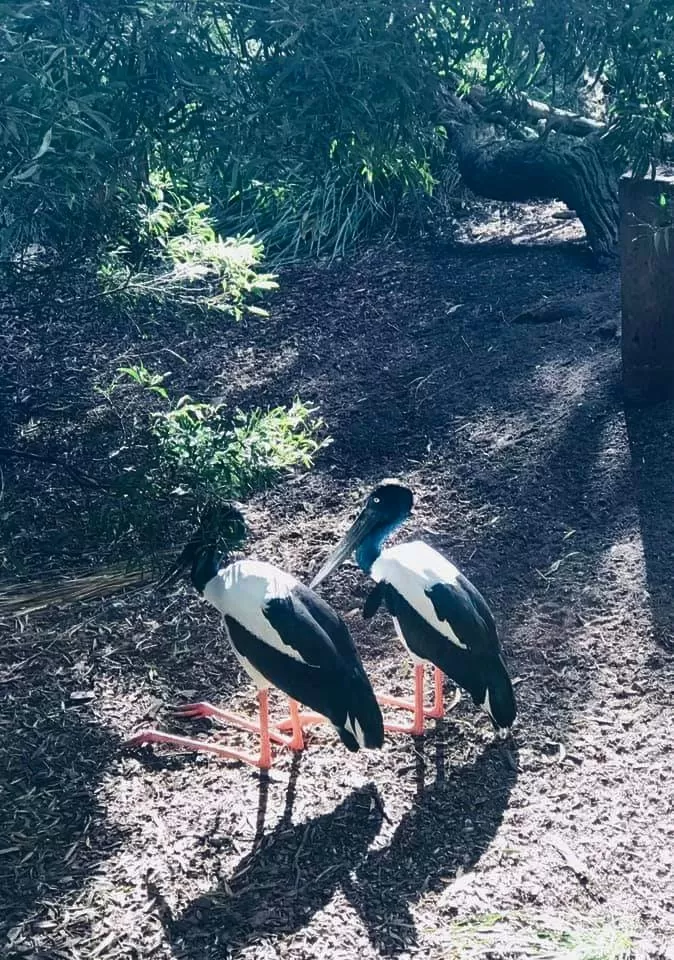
176 254
306 122
179 457
207 455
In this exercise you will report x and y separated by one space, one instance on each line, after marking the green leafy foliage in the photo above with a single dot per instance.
182 456
318 102
210 456
304 122
176 254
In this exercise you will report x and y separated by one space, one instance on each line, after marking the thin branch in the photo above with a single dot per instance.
524 108
84 479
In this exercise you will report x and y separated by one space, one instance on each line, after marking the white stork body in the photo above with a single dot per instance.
412 569
283 635
241 592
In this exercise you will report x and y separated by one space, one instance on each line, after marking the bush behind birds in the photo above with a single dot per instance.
306 122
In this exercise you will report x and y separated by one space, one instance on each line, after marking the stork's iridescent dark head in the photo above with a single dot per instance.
386 508
221 530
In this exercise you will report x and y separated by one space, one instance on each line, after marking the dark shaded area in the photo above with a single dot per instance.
295 870
354 339
449 828
651 437
290 874
647 288
53 827
403 378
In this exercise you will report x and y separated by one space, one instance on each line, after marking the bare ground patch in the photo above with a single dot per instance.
528 472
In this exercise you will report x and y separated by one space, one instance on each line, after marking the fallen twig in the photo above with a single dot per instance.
573 862
83 478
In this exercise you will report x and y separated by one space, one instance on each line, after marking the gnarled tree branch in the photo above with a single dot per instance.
557 167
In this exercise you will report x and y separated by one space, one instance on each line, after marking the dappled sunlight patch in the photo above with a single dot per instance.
522 223
623 569
498 432
613 453
567 383
248 367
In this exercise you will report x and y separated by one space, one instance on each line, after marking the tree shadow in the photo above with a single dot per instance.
516 247
448 829
290 874
54 829
651 438
559 507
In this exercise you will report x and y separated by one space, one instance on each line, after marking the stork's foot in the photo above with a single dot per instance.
296 742
395 702
204 709
417 727
432 713
144 737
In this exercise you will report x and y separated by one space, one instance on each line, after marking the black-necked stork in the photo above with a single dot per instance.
284 635
438 614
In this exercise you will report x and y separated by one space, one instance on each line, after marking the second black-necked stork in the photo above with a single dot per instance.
438 614
284 635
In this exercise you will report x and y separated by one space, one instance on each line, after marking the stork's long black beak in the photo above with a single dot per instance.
178 568
170 576
364 523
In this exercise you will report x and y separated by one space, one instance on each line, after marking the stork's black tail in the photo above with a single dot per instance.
361 723
499 696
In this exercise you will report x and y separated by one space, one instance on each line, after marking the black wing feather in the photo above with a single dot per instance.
374 600
330 678
301 631
307 623
464 608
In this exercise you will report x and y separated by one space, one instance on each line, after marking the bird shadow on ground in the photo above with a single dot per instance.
447 830
295 870
651 439
289 875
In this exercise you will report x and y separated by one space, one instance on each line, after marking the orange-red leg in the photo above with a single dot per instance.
205 709
263 761
202 746
417 728
437 711
303 719
440 708
297 740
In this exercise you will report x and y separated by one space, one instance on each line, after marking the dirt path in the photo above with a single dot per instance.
559 506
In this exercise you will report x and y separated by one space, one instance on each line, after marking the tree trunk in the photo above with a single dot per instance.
647 275
549 168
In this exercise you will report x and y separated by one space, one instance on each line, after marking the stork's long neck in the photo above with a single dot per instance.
205 567
370 548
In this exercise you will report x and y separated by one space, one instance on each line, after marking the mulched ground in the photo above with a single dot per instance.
528 472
